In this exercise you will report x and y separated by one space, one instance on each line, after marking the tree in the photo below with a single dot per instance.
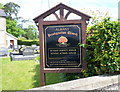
30 32
12 28
11 10
15 24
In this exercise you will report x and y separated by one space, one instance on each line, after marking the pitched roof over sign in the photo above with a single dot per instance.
2 13
61 7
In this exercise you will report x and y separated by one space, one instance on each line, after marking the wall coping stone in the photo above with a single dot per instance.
89 83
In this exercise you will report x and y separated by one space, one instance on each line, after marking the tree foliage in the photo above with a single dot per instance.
11 9
15 24
103 47
30 33
103 50
1 6
12 28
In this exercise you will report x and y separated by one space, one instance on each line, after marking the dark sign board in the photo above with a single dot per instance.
61 46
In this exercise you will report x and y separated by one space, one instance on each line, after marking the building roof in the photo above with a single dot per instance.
11 36
2 13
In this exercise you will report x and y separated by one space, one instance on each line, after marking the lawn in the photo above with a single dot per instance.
22 75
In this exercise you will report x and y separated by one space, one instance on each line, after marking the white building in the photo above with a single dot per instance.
5 38
10 39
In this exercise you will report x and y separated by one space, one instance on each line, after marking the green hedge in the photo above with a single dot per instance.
103 50
28 42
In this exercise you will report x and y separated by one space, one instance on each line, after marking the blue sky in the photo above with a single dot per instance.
32 8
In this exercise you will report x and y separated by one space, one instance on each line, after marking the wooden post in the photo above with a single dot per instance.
42 60
42 79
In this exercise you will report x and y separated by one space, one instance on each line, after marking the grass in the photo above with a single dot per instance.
22 75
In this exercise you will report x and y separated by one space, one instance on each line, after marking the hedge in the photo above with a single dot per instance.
103 50
28 42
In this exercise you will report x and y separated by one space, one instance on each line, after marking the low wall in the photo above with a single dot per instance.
90 83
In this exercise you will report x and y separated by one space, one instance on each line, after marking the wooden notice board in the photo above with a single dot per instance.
59 39
61 46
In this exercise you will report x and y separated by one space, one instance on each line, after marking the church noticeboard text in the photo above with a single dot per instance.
61 46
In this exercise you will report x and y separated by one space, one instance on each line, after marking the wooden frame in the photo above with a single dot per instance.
62 20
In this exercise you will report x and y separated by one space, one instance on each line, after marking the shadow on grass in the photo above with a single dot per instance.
51 78
36 77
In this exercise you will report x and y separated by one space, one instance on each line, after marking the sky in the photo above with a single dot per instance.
32 8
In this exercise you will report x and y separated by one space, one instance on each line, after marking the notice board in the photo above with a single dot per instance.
61 46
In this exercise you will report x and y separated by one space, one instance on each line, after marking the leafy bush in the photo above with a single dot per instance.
28 42
103 50
103 47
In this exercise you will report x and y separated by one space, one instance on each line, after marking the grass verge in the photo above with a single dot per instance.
22 75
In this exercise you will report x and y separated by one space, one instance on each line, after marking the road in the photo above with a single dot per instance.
111 87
